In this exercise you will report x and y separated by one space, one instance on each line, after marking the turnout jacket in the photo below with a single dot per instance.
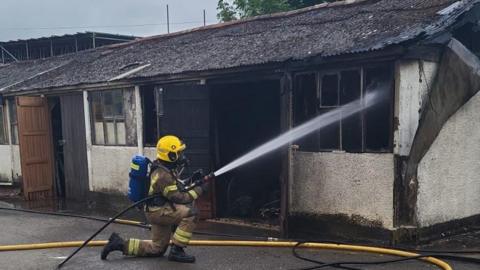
164 181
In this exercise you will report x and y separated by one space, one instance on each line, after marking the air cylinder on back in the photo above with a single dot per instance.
139 181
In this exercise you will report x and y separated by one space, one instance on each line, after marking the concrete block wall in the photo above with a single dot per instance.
449 173
356 185
110 168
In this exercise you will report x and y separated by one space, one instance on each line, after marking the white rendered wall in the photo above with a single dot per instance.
150 152
449 174
5 163
356 185
413 78
110 168
10 168
16 165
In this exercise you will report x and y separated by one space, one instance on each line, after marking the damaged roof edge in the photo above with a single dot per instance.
390 52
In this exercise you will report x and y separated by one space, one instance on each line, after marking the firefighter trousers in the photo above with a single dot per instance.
162 220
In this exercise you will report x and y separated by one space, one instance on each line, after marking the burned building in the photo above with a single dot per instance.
406 166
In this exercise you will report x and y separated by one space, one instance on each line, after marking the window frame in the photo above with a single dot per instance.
155 113
4 126
13 121
115 119
338 72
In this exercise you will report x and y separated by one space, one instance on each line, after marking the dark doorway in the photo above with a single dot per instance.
181 109
245 116
56 115
74 146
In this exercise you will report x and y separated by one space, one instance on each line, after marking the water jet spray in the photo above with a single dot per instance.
303 130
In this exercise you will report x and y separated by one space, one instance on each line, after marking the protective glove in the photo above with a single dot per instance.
197 178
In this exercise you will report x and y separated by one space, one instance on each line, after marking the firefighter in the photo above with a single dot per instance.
172 208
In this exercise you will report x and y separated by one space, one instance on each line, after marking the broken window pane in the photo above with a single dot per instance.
150 134
330 135
369 130
118 104
350 90
107 104
329 90
305 107
378 119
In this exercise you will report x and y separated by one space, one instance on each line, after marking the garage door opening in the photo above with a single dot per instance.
245 115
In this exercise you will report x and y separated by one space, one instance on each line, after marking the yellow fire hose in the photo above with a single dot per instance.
277 244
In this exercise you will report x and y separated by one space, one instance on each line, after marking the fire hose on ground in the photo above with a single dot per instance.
433 257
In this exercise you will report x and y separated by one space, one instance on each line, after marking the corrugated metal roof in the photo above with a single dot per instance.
325 31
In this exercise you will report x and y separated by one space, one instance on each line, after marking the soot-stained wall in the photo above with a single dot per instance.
413 78
357 185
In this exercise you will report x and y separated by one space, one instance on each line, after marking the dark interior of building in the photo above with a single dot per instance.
56 116
244 116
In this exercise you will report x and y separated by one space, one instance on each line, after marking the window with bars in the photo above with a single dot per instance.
317 93
108 117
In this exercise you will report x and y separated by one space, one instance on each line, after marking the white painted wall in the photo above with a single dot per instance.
413 78
10 167
449 174
5 163
110 168
16 165
359 185
150 152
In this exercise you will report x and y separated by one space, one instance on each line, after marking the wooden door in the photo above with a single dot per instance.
187 115
74 148
36 151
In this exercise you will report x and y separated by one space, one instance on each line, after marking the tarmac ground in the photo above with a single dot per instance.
25 228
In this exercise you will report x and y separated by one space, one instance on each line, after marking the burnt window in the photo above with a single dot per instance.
367 131
108 117
3 128
378 118
305 109
153 109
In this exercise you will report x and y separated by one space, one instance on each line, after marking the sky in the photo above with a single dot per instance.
23 19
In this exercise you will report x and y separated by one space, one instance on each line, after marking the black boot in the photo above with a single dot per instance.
177 254
115 242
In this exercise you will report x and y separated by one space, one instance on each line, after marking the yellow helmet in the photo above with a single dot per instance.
169 148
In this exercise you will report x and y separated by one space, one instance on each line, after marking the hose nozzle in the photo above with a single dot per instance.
209 176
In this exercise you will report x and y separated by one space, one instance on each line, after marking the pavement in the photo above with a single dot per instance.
24 228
